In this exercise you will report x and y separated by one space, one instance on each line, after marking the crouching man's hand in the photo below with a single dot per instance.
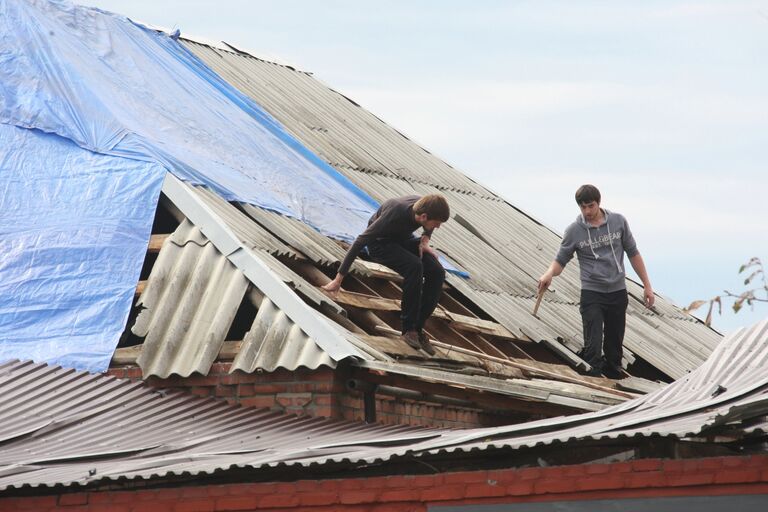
334 285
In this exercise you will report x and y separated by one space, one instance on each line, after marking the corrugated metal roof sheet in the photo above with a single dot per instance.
63 427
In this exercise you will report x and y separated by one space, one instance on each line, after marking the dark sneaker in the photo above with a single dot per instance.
426 346
593 372
412 339
613 373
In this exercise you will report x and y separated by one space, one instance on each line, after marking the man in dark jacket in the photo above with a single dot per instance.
600 238
390 241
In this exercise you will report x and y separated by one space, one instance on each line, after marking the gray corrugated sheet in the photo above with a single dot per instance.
503 249
191 298
62 427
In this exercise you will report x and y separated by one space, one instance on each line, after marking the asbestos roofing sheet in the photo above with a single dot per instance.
249 232
187 307
503 249
63 427
275 341
335 128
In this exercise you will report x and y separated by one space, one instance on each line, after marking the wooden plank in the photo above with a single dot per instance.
360 300
129 355
536 371
461 322
156 242
380 271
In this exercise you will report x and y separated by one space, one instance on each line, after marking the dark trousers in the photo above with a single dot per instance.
604 316
422 278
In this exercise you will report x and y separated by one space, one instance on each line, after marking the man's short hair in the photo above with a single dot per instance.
434 205
586 194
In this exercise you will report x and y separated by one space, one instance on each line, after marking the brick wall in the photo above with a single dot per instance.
318 393
636 479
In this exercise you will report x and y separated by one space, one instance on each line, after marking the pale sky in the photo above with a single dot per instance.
661 104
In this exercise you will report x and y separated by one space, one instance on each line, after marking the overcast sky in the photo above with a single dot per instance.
661 104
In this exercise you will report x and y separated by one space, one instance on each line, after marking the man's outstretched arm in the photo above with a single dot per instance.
554 270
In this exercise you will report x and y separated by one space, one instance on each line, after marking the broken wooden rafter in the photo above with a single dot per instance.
535 371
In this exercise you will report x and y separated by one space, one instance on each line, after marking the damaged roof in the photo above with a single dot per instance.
487 315
62 427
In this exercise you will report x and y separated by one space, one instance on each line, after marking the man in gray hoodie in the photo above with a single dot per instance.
600 238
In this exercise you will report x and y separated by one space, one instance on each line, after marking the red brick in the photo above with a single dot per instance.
252 489
465 477
201 391
195 506
597 469
555 485
395 507
400 495
218 490
79 498
758 460
530 474
108 507
163 494
645 479
97 498
279 501
687 479
260 402
236 503
733 462
235 378
736 476
328 485
194 492
425 480
355 497
315 499
153 506
711 463
37 503
603 482
483 490
443 493
646 465
226 391
520 488
246 390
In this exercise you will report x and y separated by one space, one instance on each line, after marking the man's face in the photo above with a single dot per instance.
426 223
590 210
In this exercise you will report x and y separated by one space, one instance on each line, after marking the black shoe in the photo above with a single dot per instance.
593 372
412 339
613 373
426 346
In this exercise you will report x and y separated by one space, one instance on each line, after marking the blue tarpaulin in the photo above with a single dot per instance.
73 234
94 109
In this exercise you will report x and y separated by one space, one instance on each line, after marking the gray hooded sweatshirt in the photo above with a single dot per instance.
600 250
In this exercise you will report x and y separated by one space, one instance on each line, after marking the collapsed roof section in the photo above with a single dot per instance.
61 427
